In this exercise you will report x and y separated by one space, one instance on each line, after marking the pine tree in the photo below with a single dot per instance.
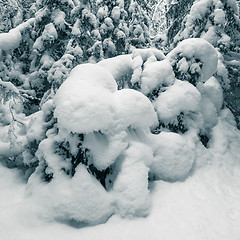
218 23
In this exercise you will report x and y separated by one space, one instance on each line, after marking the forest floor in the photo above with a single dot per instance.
205 206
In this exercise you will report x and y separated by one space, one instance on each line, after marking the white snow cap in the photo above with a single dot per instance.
200 49
93 74
131 184
157 74
219 16
117 66
173 157
182 96
134 109
105 148
66 199
214 92
49 33
10 40
89 101
84 100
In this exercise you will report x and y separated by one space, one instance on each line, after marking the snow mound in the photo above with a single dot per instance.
10 40
199 49
156 75
117 66
145 54
93 74
174 156
209 112
89 101
105 148
49 33
181 97
65 199
84 100
134 109
219 16
213 90
131 185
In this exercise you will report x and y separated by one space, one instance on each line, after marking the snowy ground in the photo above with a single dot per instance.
205 206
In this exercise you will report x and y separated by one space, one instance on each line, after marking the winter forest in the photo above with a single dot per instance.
119 119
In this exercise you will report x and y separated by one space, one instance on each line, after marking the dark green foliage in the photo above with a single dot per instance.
175 15
178 126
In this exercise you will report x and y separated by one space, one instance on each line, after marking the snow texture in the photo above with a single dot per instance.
134 109
156 75
89 101
118 66
66 199
181 97
84 100
105 148
219 16
209 197
173 157
10 40
131 184
199 49
214 92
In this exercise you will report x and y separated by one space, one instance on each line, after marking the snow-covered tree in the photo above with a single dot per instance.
217 22
89 109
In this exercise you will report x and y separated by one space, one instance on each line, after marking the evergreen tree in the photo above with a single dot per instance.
217 22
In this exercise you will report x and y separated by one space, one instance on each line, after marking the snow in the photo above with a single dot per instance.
161 186
174 156
49 33
180 97
131 184
35 132
109 23
72 199
84 101
134 109
234 5
115 14
197 12
156 75
118 66
210 35
58 17
89 101
75 29
147 53
223 72
209 113
224 40
203 206
38 44
37 125
199 49
105 148
199 9
9 86
214 92
7 149
219 16
183 65
10 40
102 12
144 56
